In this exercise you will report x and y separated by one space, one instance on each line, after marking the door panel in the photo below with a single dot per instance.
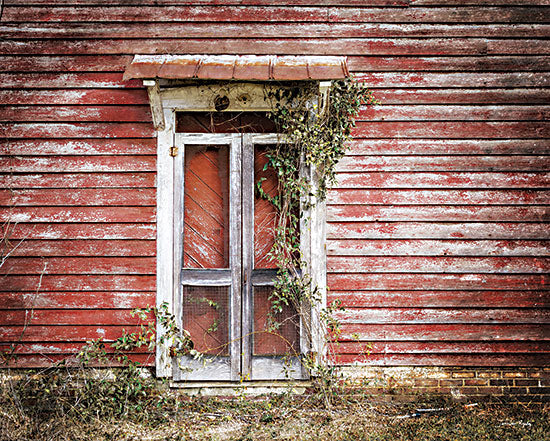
207 243
265 214
225 231
206 206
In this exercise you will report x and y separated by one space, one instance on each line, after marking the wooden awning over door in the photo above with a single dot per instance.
237 67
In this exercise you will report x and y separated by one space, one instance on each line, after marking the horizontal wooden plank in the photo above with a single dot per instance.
364 3
82 247
79 317
474 360
81 147
436 264
442 332
77 63
286 46
234 2
436 347
442 15
440 299
407 147
473 2
366 281
75 113
80 282
74 96
430 164
78 180
373 113
77 130
464 180
25 361
456 79
447 129
56 80
79 164
278 14
459 95
446 113
358 64
63 333
79 197
78 265
435 230
431 197
140 29
448 213
76 300
424 247
78 214
81 231
50 348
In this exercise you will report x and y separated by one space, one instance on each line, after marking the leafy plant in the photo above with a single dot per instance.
315 138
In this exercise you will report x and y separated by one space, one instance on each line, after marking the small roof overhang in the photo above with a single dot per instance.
237 67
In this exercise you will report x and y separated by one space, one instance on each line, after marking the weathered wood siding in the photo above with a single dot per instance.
437 227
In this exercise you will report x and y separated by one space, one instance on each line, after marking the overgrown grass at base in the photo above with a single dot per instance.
124 405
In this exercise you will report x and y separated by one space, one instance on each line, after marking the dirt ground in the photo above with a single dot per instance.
277 417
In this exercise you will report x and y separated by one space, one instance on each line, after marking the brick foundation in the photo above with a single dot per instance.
500 384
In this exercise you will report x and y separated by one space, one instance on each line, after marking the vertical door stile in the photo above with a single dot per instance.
306 226
235 220
178 175
248 253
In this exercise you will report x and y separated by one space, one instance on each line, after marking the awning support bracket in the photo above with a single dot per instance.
153 90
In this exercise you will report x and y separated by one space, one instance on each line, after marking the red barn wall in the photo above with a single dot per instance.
437 239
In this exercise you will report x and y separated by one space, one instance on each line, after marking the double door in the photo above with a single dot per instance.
223 235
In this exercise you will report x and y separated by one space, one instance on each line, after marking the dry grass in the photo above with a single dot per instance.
52 408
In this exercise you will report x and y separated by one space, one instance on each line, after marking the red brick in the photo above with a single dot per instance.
501 382
489 374
451 382
481 390
521 382
463 374
425 382
540 390
516 390
476 382
514 374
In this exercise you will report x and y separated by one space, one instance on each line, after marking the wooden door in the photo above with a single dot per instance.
224 277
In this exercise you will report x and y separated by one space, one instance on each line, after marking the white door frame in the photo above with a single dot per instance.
243 97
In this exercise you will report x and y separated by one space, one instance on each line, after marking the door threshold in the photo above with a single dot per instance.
251 388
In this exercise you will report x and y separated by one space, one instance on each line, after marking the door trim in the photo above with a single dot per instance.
313 239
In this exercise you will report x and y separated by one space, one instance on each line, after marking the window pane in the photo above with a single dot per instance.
281 339
265 214
206 207
206 318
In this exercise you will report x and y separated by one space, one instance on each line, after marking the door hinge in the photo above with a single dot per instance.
173 151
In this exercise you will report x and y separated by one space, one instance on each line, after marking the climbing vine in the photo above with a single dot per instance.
315 138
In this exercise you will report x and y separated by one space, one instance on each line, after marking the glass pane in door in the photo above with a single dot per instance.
206 207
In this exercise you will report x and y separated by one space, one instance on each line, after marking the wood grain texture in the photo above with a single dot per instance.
320 46
399 231
438 238
185 30
442 299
